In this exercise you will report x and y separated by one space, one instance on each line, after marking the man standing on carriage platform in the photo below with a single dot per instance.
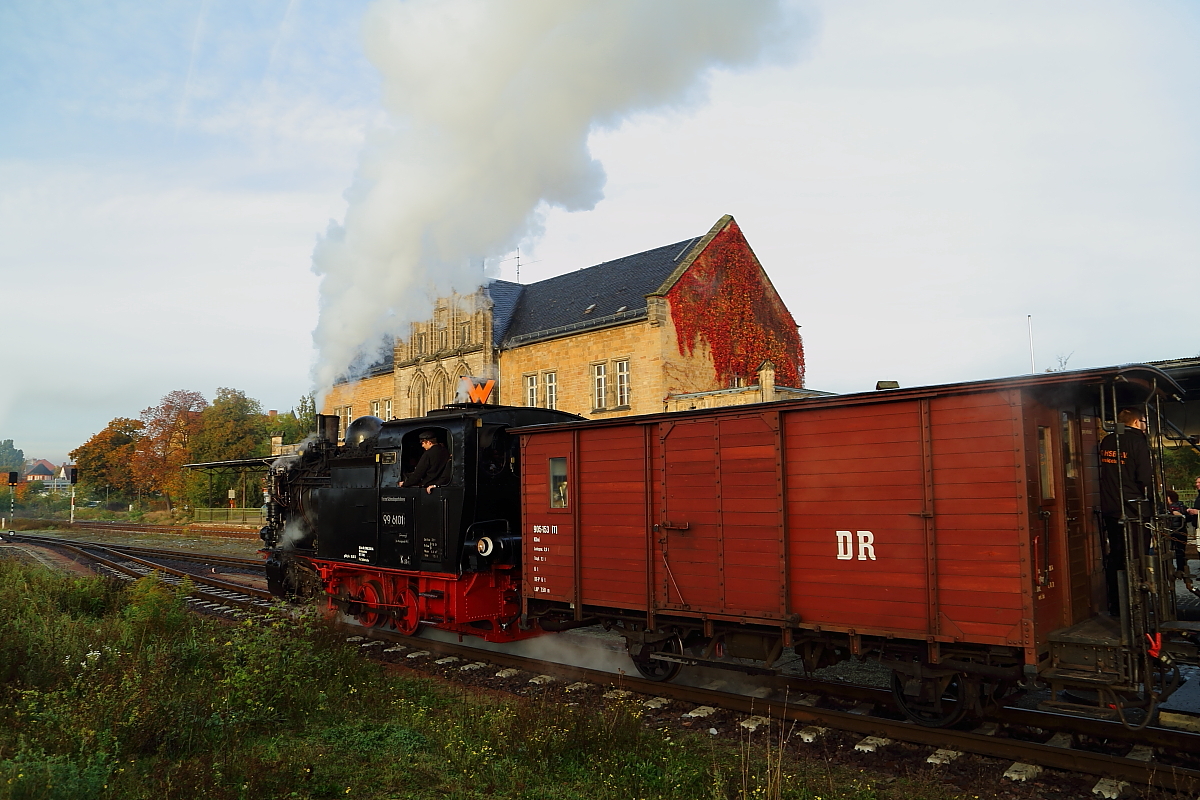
1126 481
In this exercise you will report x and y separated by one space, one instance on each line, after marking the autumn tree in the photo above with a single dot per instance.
106 459
166 441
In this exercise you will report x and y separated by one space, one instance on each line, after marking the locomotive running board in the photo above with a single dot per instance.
689 661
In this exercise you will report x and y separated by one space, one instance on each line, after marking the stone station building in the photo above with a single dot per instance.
693 324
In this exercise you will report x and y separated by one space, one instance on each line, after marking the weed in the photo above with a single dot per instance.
114 691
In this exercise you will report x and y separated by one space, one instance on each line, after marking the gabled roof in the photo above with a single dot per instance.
605 294
40 468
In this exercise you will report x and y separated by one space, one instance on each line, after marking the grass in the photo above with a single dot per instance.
116 691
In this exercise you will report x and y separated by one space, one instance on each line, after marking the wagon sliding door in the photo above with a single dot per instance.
721 536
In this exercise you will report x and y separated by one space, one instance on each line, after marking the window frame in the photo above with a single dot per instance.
565 482
550 382
531 389
623 387
600 386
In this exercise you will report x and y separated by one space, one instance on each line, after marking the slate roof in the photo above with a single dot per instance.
616 290
505 295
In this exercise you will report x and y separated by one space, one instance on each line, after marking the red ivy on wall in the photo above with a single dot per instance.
724 299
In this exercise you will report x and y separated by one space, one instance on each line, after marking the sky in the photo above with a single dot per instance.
917 178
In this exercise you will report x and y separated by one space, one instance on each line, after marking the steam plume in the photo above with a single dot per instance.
490 105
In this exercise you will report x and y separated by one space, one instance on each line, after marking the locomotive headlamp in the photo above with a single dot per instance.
485 546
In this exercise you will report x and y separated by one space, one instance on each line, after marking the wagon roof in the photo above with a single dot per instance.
1133 373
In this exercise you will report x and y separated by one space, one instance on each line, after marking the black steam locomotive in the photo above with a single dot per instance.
339 523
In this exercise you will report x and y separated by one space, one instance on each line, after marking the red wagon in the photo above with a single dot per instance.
950 530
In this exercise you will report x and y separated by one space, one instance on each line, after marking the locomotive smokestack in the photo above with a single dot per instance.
490 107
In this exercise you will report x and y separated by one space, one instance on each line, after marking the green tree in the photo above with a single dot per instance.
1182 466
105 460
10 457
234 427
297 424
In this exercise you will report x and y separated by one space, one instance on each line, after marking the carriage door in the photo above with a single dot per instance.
689 532
1046 490
721 528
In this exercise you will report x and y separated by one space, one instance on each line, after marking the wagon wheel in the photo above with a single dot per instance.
655 670
370 605
932 702
407 618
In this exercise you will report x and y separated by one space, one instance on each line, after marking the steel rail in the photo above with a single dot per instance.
250 605
201 528
80 548
250 564
1080 761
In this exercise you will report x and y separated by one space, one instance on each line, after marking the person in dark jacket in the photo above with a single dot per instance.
1177 525
1194 512
434 468
1126 478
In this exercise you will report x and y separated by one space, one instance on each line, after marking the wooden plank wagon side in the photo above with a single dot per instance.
948 530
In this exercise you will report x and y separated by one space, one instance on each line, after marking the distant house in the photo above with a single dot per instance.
39 470
62 479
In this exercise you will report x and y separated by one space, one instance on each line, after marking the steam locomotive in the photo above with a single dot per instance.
339 523
952 532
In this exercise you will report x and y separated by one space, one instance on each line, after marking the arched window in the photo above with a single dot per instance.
440 390
418 399
460 372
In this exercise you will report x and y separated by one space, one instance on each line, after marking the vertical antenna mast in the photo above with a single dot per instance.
1032 362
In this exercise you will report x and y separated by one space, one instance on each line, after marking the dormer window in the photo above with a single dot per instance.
589 309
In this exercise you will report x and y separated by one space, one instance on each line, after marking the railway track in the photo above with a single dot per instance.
131 563
1117 756
815 705
248 564
204 530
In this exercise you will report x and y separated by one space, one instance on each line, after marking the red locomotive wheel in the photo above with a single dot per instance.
408 615
371 614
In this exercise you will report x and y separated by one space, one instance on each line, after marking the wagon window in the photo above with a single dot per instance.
558 483
1070 457
1046 462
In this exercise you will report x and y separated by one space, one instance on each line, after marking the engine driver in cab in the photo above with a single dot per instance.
434 468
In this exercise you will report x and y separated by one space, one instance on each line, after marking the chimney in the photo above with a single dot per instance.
766 381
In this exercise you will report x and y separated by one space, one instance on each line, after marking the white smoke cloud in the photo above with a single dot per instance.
491 105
